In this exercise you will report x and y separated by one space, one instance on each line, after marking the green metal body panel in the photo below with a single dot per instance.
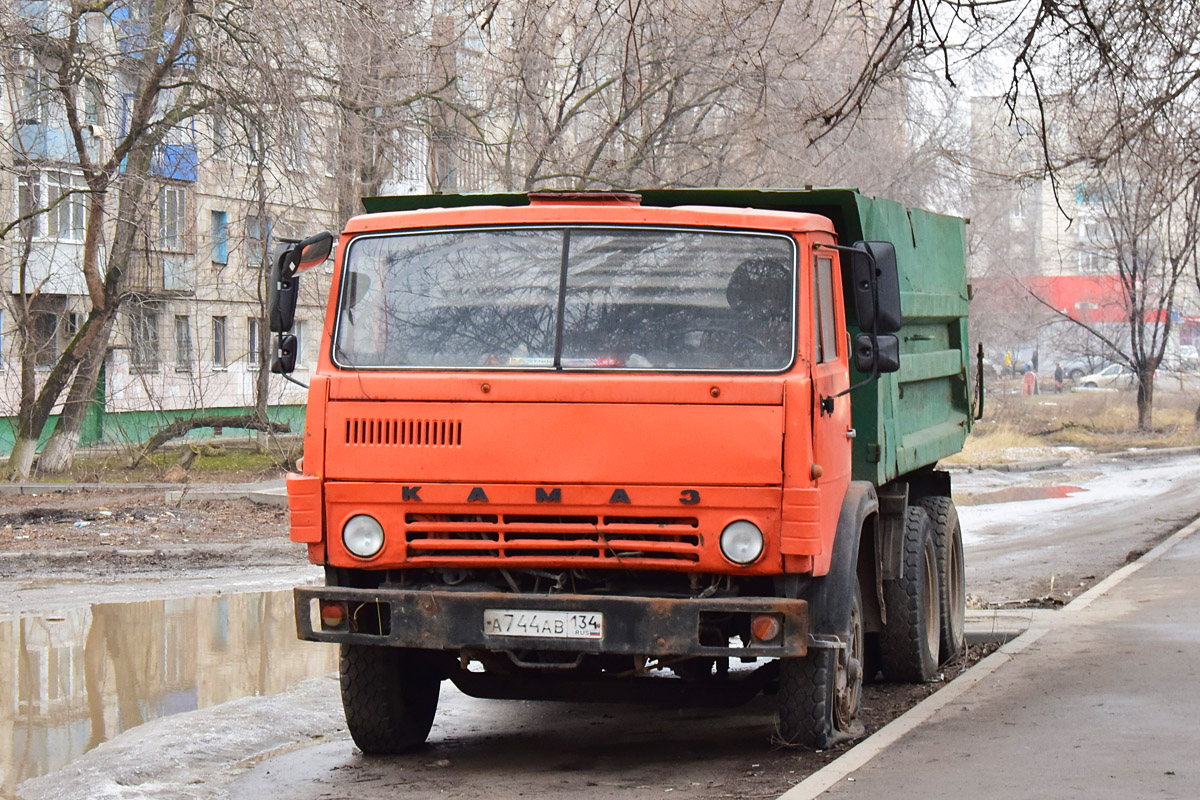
905 421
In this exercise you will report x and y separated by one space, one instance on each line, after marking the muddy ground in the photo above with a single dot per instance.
111 528
1021 552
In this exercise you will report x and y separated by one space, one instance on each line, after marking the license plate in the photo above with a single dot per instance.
543 624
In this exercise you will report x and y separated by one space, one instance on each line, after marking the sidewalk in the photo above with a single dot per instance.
1099 701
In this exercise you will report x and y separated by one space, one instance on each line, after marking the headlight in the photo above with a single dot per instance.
363 536
742 542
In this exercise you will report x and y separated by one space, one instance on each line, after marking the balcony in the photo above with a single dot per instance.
178 162
162 274
35 141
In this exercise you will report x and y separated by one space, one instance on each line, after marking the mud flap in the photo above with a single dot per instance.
830 597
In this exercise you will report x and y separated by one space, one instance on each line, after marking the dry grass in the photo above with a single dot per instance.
1019 427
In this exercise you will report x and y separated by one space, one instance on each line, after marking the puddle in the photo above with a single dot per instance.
1014 494
72 680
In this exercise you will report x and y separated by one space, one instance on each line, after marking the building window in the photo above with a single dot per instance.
220 134
172 219
45 338
68 213
258 236
254 346
1019 210
143 341
64 215
218 343
34 100
92 101
295 149
183 344
220 237
256 145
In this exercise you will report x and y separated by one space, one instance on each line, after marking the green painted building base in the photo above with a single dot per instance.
103 428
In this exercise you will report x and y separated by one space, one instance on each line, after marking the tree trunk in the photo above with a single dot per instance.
1145 399
59 453
20 461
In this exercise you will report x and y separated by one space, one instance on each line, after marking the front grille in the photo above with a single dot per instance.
404 432
527 538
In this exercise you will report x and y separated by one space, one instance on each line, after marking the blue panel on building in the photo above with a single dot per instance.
176 161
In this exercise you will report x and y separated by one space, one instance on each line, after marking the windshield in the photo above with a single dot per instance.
569 298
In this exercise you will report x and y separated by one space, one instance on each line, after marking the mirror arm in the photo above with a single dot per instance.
874 332
290 379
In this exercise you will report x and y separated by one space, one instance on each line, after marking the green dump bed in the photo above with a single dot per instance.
905 420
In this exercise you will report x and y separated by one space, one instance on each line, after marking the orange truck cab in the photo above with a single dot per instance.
601 446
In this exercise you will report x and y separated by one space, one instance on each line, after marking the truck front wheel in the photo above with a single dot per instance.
390 695
820 695
912 634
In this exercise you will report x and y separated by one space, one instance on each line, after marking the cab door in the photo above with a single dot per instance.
832 431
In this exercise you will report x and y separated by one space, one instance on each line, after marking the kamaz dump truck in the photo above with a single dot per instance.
670 446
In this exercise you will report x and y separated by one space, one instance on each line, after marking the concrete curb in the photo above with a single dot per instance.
1151 452
58 488
858 756
265 497
1015 466
1034 465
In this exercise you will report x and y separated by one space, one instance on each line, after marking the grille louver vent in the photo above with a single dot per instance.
405 432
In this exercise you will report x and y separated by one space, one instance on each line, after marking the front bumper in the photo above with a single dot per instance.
448 620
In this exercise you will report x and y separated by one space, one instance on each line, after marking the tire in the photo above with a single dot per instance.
910 641
390 695
1090 385
952 592
820 695
1076 374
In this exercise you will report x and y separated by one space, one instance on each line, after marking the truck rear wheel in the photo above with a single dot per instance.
952 593
390 695
911 636
820 695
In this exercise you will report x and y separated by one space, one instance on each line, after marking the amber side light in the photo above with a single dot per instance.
333 614
765 627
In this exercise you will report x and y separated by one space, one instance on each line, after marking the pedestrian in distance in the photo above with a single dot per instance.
1058 378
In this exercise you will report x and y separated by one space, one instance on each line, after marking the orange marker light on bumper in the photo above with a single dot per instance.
765 627
333 614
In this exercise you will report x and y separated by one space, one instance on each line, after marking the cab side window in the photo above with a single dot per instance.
823 311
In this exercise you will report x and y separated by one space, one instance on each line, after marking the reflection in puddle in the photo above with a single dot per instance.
71 680
1015 494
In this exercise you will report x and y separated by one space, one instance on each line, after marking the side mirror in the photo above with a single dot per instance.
283 286
313 251
885 357
284 360
876 287
283 291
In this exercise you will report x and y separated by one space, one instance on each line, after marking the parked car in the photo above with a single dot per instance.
1112 376
1077 368
1189 357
